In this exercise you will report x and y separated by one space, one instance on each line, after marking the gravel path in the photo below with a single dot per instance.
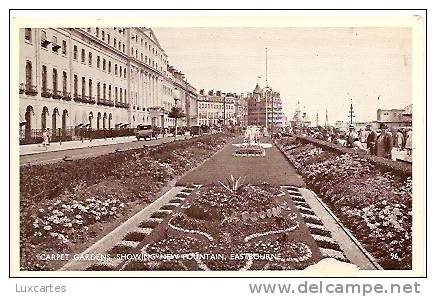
273 168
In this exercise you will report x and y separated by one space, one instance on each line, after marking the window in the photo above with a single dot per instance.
119 45
124 48
109 67
64 82
121 94
125 73
121 71
116 69
97 32
28 34
55 80
98 61
55 46
64 47
83 55
132 51
116 93
90 59
44 41
75 52
83 87
142 57
98 90
104 64
136 54
108 39
115 42
104 91
44 77
76 86
90 88
28 74
110 92
102 35
125 95
88 29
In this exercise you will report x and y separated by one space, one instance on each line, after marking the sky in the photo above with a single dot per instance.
323 68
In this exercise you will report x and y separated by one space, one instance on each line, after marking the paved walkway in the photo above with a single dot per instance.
30 149
273 168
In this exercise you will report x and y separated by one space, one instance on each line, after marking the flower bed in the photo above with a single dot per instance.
250 150
67 204
230 228
373 202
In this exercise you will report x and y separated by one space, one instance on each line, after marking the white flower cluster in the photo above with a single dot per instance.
261 234
208 236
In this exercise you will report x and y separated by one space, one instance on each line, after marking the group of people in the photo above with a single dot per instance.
376 142
380 143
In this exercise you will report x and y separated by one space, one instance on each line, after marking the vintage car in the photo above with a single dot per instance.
146 132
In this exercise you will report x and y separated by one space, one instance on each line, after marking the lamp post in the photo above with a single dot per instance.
268 90
224 112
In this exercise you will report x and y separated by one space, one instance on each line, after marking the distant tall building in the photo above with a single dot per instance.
261 102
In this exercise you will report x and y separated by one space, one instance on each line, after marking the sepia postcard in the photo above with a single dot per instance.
258 144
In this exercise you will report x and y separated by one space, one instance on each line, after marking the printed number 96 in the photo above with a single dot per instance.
394 256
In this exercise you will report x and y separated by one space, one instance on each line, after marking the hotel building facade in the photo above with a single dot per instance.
94 78
217 108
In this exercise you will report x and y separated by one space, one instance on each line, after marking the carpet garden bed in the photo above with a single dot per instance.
254 228
65 205
375 203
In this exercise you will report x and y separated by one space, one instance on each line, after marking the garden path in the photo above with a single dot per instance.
273 168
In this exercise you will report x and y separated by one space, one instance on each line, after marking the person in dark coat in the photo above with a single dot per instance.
384 143
371 139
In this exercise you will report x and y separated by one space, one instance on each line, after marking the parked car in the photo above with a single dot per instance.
195 130
146 132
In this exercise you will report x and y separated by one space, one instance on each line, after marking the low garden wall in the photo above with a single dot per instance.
371 196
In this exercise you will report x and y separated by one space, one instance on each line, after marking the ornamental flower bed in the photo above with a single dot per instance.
249 227
250 150
375 204
65 205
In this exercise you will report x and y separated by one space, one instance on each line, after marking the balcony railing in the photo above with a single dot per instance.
45 42
66 96
77 97
55 47
28 89
105 102
46 92
122 104
91 100
57 94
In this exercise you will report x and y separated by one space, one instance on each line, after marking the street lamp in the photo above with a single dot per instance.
267 90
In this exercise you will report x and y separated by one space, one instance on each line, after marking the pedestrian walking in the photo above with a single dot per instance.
384 143
352 136
45 138
408 144
399 140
